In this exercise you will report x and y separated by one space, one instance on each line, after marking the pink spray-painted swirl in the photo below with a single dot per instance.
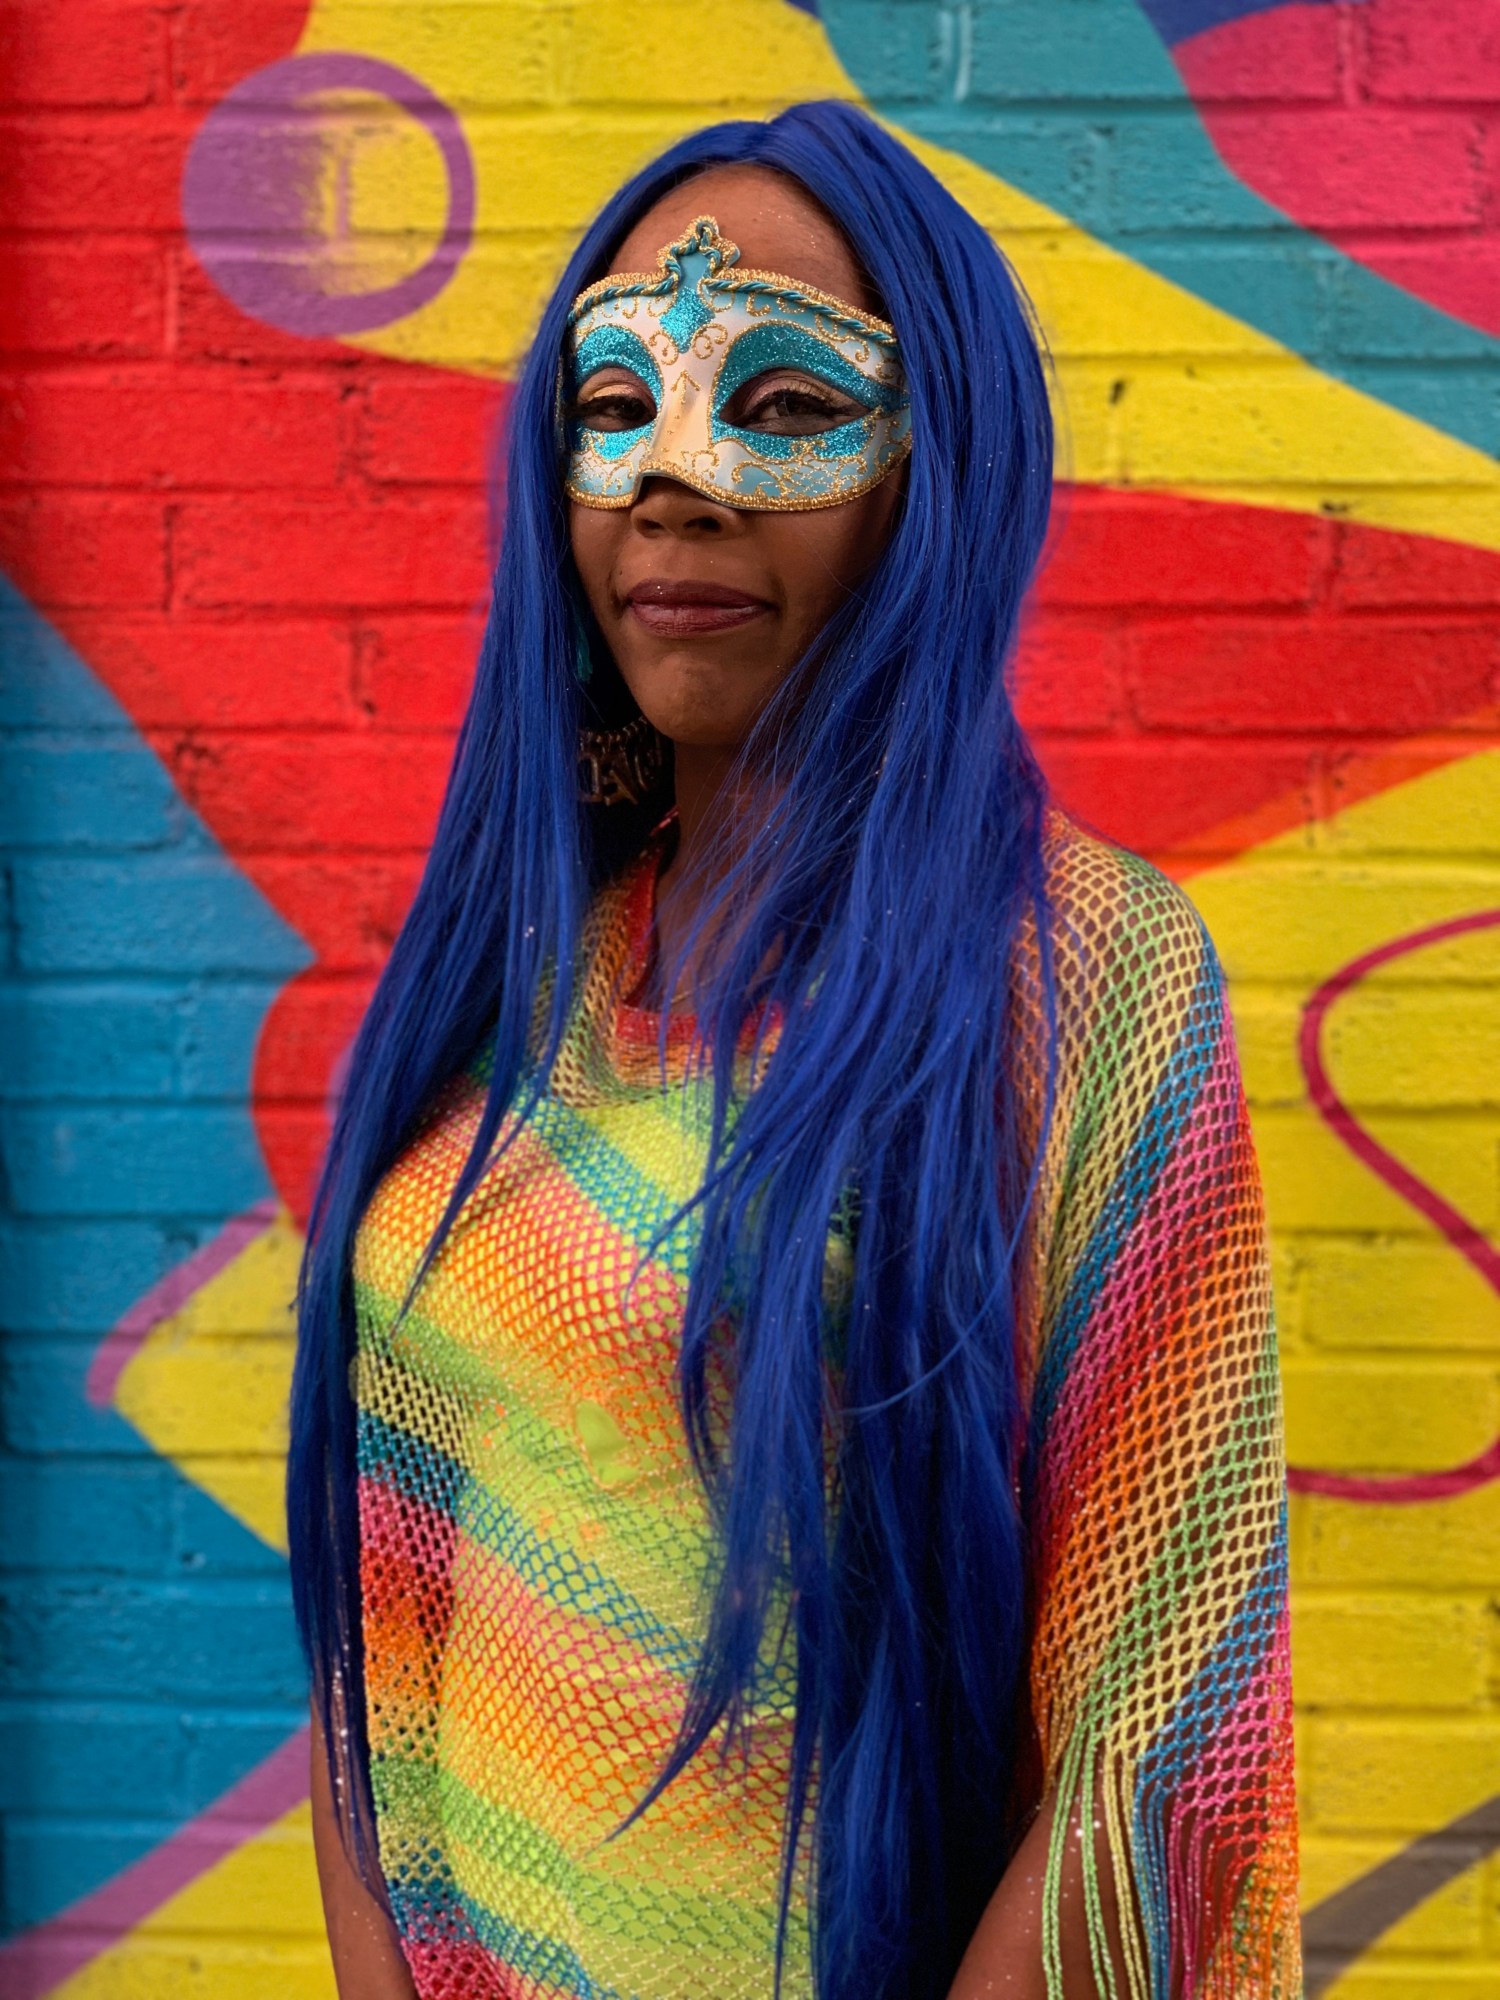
1470 1242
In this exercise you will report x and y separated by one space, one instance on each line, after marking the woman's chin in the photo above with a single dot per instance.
709 737
704 705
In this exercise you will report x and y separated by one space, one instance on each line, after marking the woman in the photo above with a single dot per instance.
786 1430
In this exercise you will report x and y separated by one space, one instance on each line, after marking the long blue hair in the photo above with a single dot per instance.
875 905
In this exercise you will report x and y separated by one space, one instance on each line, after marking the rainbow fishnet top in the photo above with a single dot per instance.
534 1539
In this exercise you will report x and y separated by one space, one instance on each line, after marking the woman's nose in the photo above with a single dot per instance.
663 505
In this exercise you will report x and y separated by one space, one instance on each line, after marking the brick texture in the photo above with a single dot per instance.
246 574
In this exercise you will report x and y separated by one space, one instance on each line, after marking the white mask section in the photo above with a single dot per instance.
744 385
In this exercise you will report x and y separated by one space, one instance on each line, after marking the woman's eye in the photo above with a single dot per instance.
799 406
614 406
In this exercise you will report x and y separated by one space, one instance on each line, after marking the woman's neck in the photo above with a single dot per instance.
715 816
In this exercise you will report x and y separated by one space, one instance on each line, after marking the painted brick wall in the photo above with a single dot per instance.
265 269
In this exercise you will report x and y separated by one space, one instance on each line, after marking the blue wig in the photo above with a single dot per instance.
883 885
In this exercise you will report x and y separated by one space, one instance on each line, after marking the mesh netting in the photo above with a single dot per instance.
1155 1490
536 1542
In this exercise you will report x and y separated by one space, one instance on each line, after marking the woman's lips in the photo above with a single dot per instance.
684 610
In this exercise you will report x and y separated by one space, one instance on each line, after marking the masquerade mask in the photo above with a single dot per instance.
746 385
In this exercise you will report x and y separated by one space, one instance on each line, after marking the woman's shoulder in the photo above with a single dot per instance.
1093 882
1124 938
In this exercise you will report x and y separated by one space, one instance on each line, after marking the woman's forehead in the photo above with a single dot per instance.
776 223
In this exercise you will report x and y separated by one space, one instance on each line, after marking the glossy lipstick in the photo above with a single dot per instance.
682 610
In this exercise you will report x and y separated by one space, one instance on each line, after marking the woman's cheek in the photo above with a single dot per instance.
595 534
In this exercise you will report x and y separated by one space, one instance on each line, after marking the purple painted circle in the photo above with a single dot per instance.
248 177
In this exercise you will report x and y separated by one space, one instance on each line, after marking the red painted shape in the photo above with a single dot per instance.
1470 1243
1377 127
1193 666
272 550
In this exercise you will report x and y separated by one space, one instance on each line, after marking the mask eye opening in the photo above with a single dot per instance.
792 401
611 407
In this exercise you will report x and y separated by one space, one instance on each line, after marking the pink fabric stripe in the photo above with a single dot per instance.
1112 1366
39 1960
397 1529
169 1295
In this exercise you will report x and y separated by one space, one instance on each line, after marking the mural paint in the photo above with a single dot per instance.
1380 133
272 268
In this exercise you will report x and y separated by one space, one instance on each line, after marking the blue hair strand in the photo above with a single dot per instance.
873 909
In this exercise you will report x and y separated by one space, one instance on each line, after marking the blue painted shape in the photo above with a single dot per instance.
206 1541
216 1739
70 1039
1006 65
1057 51
126 1585
180 911
131 1159
199 1639
40 1852
46 1415
133 1765
63 1277
137 1749
1296 286
1176 20
108 794
117 1524
40 686
218 1022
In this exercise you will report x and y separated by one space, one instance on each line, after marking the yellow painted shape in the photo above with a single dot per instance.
1391 1650
1428 1978
381 192
560 103
1399 1774
1314 1181
249 1928
1390 1361
1387 1292
1446 1922
1397 1044
1288 914
1156 389
1449 1546
208 1387
1368 1786
1356 1416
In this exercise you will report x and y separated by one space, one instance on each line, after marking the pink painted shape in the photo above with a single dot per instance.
37 1962
169 1295
1395 163
1470 1243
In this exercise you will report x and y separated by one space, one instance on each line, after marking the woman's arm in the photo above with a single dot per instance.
367 1961
1004 1960
1155 1483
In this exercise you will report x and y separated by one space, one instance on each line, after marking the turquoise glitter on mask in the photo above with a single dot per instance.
616 346
694 333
